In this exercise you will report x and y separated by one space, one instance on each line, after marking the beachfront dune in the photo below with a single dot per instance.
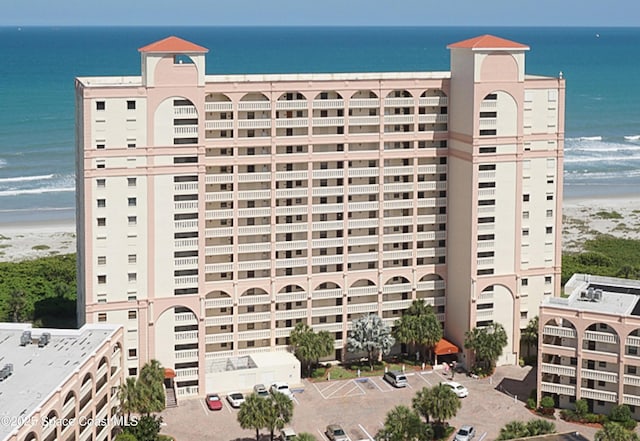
583 219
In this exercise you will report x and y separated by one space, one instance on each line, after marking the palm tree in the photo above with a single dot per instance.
529 334
627 271
512 430
402 424
615 432
252 413
487 343
279 413
419 325
540 427
128 396
439 403
308 346
151 388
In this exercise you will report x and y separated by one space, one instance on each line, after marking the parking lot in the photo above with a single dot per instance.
360 407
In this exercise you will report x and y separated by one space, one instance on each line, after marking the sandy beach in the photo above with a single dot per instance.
583 219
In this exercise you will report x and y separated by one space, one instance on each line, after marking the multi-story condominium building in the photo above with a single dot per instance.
589 344
217 211
60 384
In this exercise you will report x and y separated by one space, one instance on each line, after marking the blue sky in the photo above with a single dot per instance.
598 13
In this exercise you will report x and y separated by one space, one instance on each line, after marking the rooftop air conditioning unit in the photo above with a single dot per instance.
25 338
6 371
44 339
597 295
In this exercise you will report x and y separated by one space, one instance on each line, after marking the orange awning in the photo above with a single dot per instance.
444 347
169 373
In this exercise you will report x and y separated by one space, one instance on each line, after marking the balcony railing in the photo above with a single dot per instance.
560 331
602 337
555 388
254 105
601 395
590 374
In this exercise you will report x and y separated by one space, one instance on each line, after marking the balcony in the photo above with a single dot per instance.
294 209
254 194
398 119
363 291
396 304
291 193
291 314
326 311
631 400
292 122
220 320
328 104
254 177
221 178
191 354
364 103
399 102
433 119
364 120
328 122
254 317
560 389
291 297
632 380
219 214
263 247
254 123
292 104
186 280
190 130
185 206
291 263
181 244
219 232
218 303
589 374
326 260
433 101
219 338
187 336
185 318
187 374
292 245
601 337
363 257
601 395
254 335
254 105
218 106
327 293
362 240
364 308
560 331
358 172
290 175
188 187
328 191
221 124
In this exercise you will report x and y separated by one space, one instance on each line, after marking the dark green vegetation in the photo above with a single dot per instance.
487 345
604 256
143 396
436 405
519 429
41 291
271 413
309 347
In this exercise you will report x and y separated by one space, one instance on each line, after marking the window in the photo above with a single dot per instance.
488 150
549 213
132 314
488 132
488 114
132 220
549 230
102 221
133 372
525 198
523 315
101 183
102 317
102 279
100 145
524 282
485 272
100 164
131 202
487 167
132 258
631 370
100 105
549 197
133 353
525 232
102 203
131 105
102 260
547 280
132 277
131 145
525 215
131 182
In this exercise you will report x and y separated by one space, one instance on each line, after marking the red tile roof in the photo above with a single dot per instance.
173 44
487 42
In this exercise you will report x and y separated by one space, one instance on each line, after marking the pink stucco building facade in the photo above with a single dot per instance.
217 211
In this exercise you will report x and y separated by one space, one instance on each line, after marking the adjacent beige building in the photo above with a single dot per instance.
63 385
589 344
217 211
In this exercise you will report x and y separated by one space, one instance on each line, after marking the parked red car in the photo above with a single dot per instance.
214 402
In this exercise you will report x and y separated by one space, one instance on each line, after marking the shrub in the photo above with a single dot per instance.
547 404
582 407
531 403
620 413
569 415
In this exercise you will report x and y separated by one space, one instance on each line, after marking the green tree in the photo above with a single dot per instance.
512 430
253 413
125 436
419 325
150 388
615 432
403 424
582 408
16 306
627 271
147 429
529 334
540 427
371 335
439 403
128 396
308 346
487 344
622 414
278 413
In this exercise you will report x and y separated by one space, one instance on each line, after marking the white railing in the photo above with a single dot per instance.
631 400
328 104
190 205
262 247
183 374
329 173
185 186
292 104
219 214
292 122
365 307
396 304
433 101
254 265
254 105
254 123
185 243
363 291
219 124
560 331
183 317
254 194
218 303
186 224
292 245
291 297
219 268
291 193
186 335
185 280
219 320
362 223
398 119
358 172
254 177
631 380
254 317
602 337
185 130
326 293
218 106
219 232
601 395
362 240
555 388
290 175
590 374
363 257
549 368
326 311
219 178
328 121
291 314
291 263
399 102
364 102
187 355
254 335
363 189
364 120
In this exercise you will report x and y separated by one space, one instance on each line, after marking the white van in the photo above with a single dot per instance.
395 378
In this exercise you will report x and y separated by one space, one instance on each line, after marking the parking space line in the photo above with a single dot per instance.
204 409
425 380
375 383
482 436
293 398
322 435
227 406
346 383
365 432
359 387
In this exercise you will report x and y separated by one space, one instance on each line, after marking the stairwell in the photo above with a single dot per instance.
170 397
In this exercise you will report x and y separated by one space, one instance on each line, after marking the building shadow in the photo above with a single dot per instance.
516 388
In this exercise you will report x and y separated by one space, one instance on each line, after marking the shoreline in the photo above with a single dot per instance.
583 218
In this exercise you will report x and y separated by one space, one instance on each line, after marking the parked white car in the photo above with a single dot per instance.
457 388
235 399
283 388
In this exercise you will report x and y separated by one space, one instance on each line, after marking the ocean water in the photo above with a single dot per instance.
39 64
